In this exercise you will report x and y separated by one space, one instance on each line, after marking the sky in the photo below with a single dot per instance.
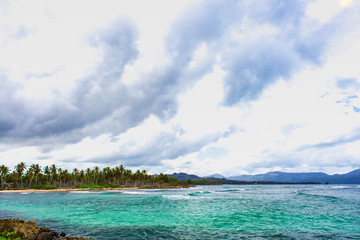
203 87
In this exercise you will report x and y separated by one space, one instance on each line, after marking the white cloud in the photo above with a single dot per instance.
324 10
278 75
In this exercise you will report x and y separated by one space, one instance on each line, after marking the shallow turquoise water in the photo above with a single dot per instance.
203 212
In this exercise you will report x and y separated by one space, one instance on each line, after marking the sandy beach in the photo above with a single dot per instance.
66 190
82 189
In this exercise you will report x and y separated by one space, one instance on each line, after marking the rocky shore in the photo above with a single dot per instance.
31 231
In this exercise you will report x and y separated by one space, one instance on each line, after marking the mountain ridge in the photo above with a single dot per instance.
352 177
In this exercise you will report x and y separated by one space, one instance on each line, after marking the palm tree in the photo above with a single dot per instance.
122 169
144 176
53 173
47 173
4 170
20 171
64 175
88 175
60 173
82 176
127 176
37 171
30 174
75 175
96 173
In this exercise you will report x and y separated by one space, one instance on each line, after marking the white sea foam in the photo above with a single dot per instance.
134 192
340 187
25 193
80 192
177 197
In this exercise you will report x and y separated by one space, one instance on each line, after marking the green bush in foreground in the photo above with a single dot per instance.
91 185
8 236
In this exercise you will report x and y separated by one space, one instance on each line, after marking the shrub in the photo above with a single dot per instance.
8 236
45 187
48 187
91 185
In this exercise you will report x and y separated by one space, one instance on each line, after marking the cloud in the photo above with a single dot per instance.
212 152
347 83
247 47
274 49
336 142
258 43
94 97
145 145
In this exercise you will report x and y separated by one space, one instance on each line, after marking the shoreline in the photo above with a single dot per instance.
79 189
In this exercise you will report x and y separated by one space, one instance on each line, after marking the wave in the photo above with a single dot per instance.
199 193
340 187
317 196
232 190
176 197
133 192
81 192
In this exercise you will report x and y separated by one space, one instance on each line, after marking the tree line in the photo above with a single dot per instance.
34 175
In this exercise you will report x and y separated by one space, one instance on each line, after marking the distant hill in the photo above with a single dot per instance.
216 175
352 177
185 176
223 180
348 178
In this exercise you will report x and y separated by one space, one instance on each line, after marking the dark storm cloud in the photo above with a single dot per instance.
11 108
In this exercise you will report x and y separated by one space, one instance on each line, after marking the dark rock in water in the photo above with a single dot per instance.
30 231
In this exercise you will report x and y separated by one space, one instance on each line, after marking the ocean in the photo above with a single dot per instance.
202 212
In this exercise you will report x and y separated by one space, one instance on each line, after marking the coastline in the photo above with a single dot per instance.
80 189
21 229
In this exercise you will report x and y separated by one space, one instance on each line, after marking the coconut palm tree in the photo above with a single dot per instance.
75 175
82 176
60 174
30 175
88 175
96 174
4 170
47 173
20 168
53 171
37 171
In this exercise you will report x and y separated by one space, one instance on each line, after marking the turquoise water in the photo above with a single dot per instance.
203 212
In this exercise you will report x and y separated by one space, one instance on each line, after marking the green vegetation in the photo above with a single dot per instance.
9 236
91 185
52 177
44 187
